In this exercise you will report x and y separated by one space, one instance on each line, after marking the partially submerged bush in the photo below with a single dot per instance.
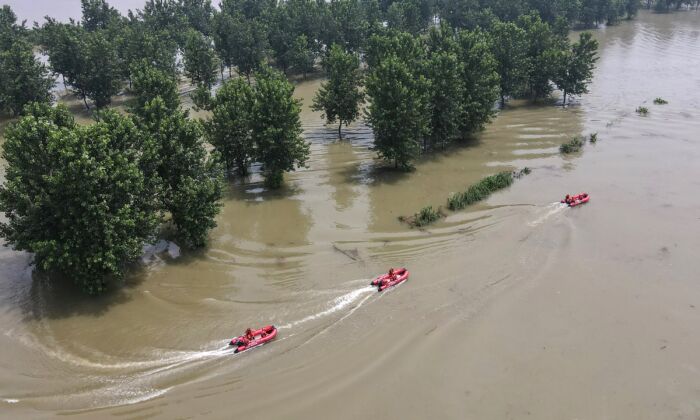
572 146
424 217
480 190
593 137
642 110
660 101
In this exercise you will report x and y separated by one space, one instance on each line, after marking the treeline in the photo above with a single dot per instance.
429 90
668 5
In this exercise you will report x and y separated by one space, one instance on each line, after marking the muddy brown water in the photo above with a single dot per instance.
516 307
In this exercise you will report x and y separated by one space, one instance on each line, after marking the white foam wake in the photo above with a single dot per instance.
337 304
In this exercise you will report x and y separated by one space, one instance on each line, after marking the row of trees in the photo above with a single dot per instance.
425 92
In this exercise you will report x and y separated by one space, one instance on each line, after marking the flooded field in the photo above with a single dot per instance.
516 307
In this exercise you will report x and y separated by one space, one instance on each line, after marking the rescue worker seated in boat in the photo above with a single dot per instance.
568 199
391 276
246 338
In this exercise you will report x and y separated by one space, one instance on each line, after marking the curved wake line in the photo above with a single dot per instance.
554 208
338 304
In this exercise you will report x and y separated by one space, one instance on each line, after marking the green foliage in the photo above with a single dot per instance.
150 82
574 66
229 128
660 101
23 79
480 190
480 80
572 146
642 110
75 195
593 138
510 46
302 57
409 15
425 217
340 97
201 62
399 110
248 45
543 43
190 181
98 15
276 127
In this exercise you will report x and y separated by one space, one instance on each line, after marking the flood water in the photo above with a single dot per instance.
516 307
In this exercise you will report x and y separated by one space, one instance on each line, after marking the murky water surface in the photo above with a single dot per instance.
515 307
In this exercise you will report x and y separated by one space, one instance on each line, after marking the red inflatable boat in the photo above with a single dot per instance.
261 336
385 280
577 200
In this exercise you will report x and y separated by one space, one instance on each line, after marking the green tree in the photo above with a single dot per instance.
302 58
98 15
575 66
99 76
510 46
398 110
480 79
200 59
149 83
229 128
340 97
9 30
198 14
23 79
276 127
75 196
541 41
442 69
190 181
249 45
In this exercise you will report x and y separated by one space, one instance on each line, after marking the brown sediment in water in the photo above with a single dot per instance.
517 307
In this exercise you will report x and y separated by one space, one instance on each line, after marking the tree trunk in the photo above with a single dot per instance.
503 101
247 76
65 86
340 134
564 99
87 107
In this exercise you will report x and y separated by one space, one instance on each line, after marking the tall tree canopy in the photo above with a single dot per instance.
340 97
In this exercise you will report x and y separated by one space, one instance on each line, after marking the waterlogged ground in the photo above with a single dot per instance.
517 307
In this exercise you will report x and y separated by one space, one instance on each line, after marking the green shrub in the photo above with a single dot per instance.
424 217
593 137
660 101
572 146
642 110
480 190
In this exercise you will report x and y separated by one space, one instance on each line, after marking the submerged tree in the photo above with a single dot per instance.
509 46
480 79
200 60
23 79
229 128
398 111
276 128
575 66
149 83
189 180
75 195
340 97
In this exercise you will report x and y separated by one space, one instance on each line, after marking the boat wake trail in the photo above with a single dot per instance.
337 304
550 210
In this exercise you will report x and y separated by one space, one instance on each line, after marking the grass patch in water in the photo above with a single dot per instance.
477 192
424 217
480 190
572 146
593 137
642 110
660 101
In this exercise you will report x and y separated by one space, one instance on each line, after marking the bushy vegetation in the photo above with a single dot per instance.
572 146
642 110
480 190
426 216
660 101
593 138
